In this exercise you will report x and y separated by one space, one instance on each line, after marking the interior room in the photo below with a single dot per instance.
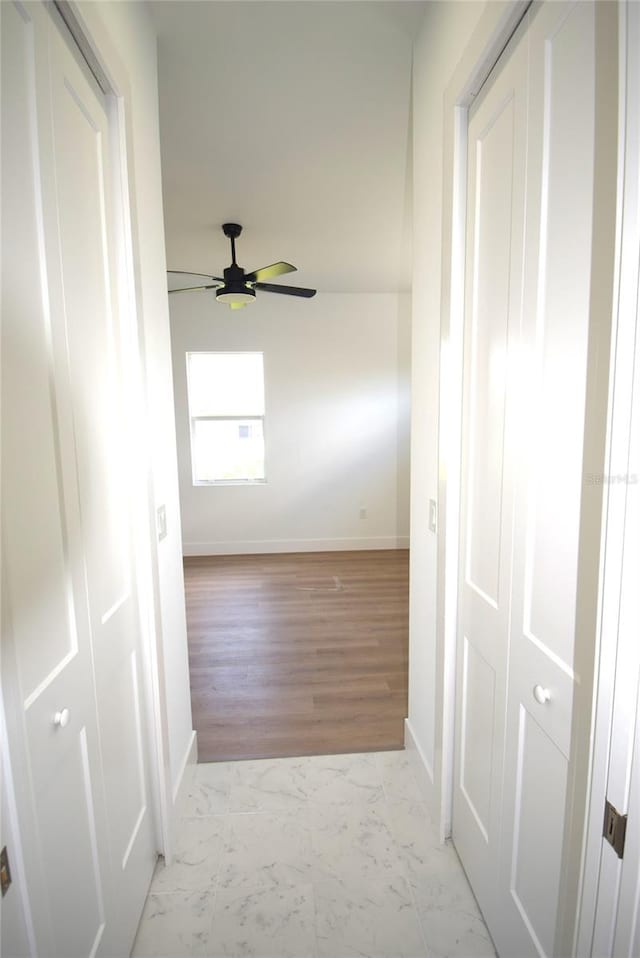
320 458
288 656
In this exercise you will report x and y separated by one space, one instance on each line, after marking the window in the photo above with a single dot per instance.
226 411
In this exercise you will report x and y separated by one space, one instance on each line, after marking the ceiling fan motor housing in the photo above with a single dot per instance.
235 289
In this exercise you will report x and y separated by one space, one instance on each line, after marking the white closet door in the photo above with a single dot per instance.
495 221
527 625
46 643
70 646
552 404
94 333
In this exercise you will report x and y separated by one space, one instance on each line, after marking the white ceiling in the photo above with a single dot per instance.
293 119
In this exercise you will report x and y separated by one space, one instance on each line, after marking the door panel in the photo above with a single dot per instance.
73 871
559 256
541 781
489 323
495 208
83 199
528 348
74 620
46 612
92 332
476 734
120 689
48 637
555 340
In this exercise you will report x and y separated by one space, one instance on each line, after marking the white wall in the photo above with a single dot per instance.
126 28
445 32
337 415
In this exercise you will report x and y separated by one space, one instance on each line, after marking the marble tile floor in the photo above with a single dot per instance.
320 857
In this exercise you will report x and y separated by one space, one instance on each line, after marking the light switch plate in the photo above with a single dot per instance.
433 515
161 522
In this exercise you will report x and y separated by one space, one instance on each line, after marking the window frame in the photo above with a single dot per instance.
235 418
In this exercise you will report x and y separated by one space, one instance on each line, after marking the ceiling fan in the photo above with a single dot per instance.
238 288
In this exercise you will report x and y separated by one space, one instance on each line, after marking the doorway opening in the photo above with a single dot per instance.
298 654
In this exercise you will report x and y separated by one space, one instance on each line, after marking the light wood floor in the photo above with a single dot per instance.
298 654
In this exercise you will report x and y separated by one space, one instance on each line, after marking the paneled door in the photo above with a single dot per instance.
557 519
495 223
536 318
72 629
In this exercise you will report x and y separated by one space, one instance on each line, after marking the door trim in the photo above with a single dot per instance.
612 741
65 9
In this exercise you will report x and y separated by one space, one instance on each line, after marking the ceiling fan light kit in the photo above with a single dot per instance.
238 288
241 297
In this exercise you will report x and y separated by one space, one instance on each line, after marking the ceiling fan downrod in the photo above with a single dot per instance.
232 231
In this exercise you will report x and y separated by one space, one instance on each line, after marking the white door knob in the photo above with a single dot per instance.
541 695
61 719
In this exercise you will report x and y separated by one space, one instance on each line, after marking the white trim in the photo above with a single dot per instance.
421 768
268 546
68 15
599 912
605 265
190 758
179 792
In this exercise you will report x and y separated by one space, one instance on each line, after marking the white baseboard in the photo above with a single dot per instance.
175 801
190 760
421 767
266 546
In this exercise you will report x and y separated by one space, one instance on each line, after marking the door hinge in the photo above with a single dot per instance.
5 871
615 828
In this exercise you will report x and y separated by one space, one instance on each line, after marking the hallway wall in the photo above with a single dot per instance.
445 32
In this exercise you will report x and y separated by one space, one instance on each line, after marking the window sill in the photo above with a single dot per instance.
229 482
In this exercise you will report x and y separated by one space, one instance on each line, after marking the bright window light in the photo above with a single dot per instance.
226 410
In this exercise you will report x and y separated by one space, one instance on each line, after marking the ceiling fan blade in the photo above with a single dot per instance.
193 289
268 272
180 279
287 290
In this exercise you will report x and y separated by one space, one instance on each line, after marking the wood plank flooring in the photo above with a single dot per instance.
298 654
